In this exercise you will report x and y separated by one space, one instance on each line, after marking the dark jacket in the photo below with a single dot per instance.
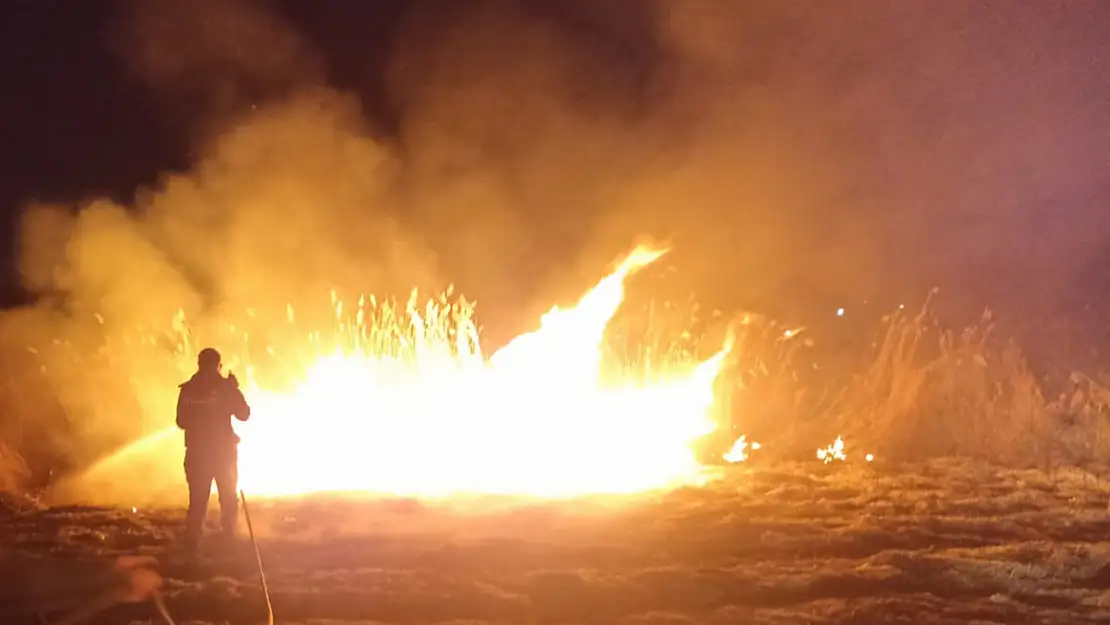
205 406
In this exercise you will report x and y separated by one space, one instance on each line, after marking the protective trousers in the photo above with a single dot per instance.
202 467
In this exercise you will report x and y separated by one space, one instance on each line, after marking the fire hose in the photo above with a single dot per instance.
160 605
107 600
254 543
258 559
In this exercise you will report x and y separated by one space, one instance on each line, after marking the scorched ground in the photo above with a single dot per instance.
944 542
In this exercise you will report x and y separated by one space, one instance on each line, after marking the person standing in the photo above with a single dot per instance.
206 404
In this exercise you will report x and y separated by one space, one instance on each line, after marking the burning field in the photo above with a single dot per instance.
735 409
403 476
606 466
411 406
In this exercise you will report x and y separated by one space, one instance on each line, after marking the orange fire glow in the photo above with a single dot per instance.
543 416
533 419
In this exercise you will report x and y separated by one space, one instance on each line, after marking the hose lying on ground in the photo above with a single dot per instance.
133 580
258 558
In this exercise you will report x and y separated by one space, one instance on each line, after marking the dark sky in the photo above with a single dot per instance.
965 144
78 124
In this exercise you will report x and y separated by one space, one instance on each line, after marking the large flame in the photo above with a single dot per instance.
536 418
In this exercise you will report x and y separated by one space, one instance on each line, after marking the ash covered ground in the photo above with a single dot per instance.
942 542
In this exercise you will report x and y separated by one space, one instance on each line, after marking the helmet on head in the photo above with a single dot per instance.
208 359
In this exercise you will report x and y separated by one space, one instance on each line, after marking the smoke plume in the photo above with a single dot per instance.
799 155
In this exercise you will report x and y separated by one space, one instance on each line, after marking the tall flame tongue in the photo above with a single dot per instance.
533 420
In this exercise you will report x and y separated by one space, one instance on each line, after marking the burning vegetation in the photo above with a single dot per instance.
401 400
424 412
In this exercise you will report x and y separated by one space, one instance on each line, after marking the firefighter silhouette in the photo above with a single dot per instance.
206 404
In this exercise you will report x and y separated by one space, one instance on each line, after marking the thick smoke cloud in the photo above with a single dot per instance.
207 61
800 155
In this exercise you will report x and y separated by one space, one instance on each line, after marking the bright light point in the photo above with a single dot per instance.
833 452
134 510
869 457
839 312
756 446
793 332
739 451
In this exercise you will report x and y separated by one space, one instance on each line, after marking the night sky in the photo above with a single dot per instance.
964 144
78 124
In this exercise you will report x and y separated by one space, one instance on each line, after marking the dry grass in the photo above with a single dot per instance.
63 401
924 390
920 390
14 472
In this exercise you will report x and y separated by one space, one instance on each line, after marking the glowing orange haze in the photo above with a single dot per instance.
533 419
